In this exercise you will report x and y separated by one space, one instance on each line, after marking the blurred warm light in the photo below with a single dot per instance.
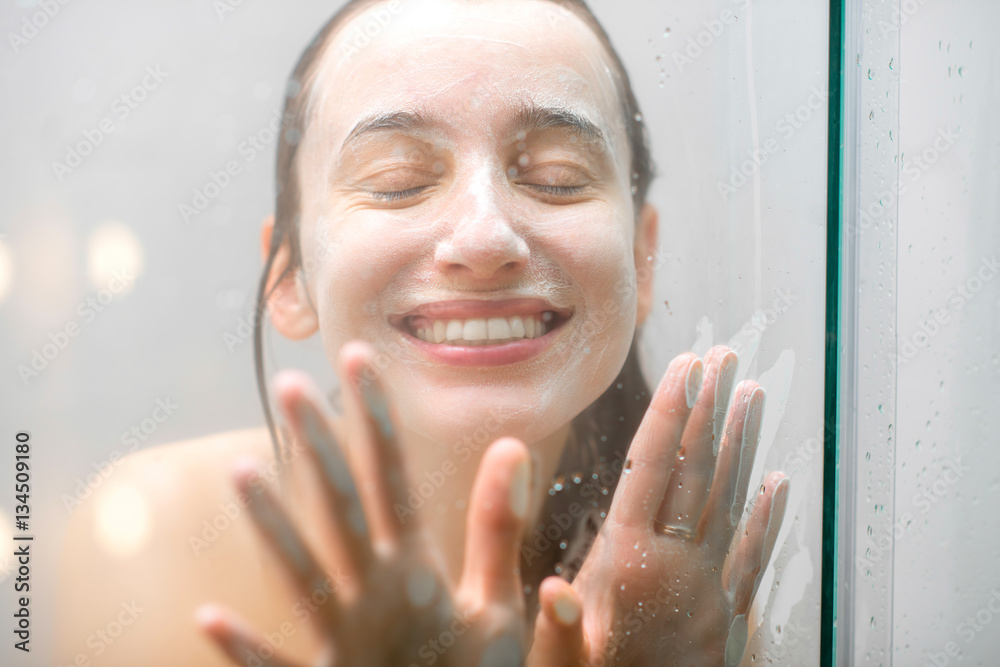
113 251
122 522
6 270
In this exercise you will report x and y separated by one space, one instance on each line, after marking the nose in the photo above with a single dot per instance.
483 243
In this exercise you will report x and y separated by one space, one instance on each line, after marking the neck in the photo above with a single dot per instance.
441 481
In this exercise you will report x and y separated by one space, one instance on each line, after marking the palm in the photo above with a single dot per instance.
664 578
392 602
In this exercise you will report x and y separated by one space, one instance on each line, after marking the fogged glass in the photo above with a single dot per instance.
140 143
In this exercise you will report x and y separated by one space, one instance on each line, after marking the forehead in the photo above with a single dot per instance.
472 63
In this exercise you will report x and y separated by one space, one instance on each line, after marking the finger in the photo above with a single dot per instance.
236 639
280 534
745 567
377 446
495 523
653 451
748 451
299 401
695 465
739 442
559 638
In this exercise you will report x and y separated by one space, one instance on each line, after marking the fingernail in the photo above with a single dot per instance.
567 610
748 450
503 652
519 490
723 388
378 407
755 414
692 383
207 614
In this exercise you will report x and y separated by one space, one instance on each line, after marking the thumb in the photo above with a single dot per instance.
559 640
495 524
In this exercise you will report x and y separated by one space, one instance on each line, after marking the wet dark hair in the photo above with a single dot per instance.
601 434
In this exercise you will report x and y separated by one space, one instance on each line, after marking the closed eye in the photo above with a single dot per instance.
564 190
398 194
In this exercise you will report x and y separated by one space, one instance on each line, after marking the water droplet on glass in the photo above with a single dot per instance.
870 75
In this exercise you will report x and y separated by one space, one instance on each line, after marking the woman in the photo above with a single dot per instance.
461 216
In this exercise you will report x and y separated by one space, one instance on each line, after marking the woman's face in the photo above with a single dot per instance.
466 208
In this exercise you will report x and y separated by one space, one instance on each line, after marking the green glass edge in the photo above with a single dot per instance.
831 431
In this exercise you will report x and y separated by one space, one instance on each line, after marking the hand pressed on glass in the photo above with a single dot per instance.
396 596
664 579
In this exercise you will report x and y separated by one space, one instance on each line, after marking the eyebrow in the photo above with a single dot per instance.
526 118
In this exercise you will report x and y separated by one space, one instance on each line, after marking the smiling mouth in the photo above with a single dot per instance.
483 331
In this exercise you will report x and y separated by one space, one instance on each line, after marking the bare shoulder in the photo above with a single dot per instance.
164 533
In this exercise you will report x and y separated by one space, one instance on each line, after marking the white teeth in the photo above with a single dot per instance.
517 327
439 331
475 330
498 328
485 331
